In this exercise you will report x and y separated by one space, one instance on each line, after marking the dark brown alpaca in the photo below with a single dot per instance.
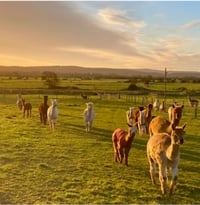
85 97
122 141
193 102
27 108
43 107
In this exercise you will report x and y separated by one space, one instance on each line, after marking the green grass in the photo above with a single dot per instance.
93 85
68 165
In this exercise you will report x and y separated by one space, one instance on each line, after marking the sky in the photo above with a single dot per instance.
109 34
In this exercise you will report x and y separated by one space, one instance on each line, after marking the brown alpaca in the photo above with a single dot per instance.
43 107
27 108
160 124
122 141
85 97
193 102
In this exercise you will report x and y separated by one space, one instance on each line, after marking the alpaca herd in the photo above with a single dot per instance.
163 145
45 111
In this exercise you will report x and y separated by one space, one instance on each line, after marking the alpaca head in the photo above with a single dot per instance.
89 105
176 114
54 102
177 135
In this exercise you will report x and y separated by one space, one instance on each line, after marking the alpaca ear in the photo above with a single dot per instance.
129 125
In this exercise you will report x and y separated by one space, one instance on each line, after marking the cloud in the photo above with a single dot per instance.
43 26
119 18
191 24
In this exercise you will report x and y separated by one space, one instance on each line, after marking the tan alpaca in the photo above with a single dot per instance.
160 124
164 150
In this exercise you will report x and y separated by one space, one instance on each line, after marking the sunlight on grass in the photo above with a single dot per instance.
68 165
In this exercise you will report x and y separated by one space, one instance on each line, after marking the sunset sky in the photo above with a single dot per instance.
115 34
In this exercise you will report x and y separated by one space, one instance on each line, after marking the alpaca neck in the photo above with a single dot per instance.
172 151
89 112
169 129
129 137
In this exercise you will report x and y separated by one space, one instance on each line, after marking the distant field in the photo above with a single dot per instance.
38 166
94 85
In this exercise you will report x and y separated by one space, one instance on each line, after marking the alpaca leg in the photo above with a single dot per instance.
115 152
117 156
49 123
86 126
152 170
163 178
53 123
174 179
41 120
90 126
121 155
126 156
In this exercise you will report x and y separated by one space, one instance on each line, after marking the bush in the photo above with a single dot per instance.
133 86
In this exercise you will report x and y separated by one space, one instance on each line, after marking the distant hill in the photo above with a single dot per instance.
107 72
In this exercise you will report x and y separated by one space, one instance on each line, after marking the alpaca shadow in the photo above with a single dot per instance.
99 133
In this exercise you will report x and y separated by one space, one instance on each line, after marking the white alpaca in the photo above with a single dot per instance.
19 102
142 123
170 110
52 113
88 115
156 104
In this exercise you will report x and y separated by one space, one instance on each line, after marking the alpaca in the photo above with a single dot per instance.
156 104
85 97
164 149
52 113
19 102
27 108
162 106
88 115
170 110
122 141
160 124
136 113
143 118
130 116
142 123
193 102
43 107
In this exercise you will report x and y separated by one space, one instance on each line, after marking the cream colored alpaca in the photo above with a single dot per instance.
52 113
164 150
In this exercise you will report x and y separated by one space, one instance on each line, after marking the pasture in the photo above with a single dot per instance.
68 165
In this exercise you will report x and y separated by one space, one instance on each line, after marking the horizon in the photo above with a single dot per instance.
96 68
115 35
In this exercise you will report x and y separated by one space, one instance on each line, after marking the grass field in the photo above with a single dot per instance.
68 165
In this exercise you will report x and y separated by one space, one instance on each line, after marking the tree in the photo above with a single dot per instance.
51 79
